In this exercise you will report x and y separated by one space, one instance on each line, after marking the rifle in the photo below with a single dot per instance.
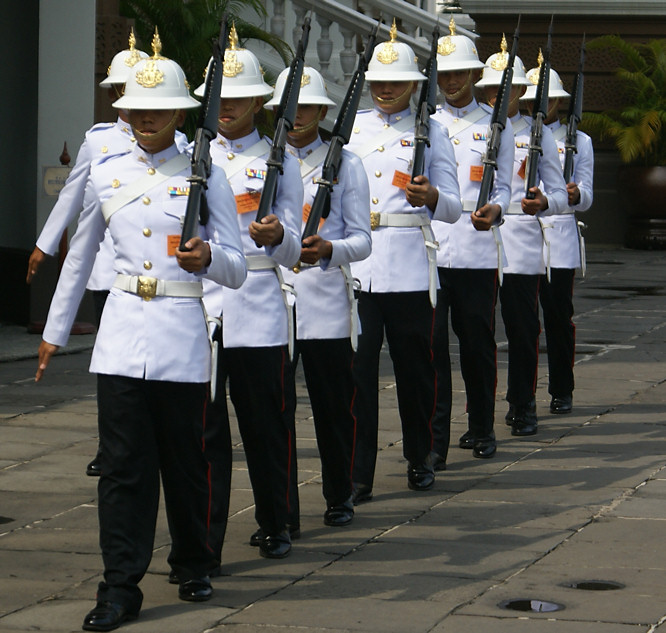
286 113
574 117
426 107
535 151
197 208
497 125
321 205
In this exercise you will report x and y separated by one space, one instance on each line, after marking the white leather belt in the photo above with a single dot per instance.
264 262
421 220
353 289
581 246
515 208
149 287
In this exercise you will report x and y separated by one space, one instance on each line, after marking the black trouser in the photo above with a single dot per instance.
218 453
470 295
556 298
150 429
327 364
99 300
519 297
259 385
408 320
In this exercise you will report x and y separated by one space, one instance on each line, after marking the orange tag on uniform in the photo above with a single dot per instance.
247 202
521 169
306 214
400 179
476 173
173 242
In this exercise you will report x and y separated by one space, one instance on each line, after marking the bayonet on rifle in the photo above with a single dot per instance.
539 113
574 117
196 211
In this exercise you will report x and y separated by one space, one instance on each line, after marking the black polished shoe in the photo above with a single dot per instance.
258 536
525 422
561 404
485 447
275 545
94 468
213 573
437 461
421 477
339 515
195 590
107 616
361 493
467 440
510 415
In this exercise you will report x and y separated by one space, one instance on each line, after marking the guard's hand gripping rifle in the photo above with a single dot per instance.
426 107
321 205
539 113
497 124
285 117
575 115
197 209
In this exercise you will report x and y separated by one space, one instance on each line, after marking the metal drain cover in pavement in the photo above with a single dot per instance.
527 604
596 585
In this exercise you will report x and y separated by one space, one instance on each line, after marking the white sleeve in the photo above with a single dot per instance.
69 203
355 199
288 207
227 266
443 174
76 269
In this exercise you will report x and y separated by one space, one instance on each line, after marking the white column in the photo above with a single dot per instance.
66 91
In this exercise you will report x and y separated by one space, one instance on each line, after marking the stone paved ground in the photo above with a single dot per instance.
584 500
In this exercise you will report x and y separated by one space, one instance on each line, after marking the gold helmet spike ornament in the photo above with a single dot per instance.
232 66
452 26
388 54
233 38
134 55
500 62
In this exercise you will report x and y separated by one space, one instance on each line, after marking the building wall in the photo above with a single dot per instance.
49 98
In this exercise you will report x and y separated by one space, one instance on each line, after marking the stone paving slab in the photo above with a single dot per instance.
581 500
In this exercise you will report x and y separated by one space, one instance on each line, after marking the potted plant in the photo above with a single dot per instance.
639 132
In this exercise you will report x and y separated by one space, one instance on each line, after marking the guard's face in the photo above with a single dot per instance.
237 116
155 129
490 95
392 97
455 84
306 124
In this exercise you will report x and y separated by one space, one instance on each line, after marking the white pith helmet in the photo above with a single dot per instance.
456 52
495 65
156 83
555 86
122 63
313 89
242 74
393 61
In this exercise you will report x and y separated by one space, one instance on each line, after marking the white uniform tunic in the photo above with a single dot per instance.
322 301
521 233
561 230
101 141
255 315
398 262
460 244
164 338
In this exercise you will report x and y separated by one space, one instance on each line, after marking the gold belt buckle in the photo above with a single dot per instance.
146 287
375 216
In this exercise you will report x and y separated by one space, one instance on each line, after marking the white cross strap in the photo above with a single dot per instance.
131 192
